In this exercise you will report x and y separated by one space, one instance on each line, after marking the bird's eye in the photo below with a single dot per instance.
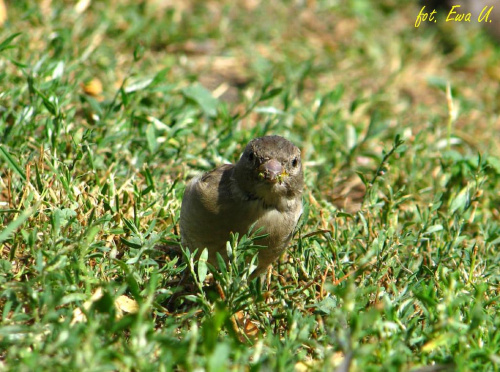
295 162
250 156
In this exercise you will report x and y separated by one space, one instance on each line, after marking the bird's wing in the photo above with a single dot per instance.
213 189
204 211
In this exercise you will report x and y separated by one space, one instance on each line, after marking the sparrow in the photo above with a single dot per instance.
263 189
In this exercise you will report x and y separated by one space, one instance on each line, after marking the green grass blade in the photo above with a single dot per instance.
12 163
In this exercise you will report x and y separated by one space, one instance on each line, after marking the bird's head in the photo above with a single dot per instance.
270 166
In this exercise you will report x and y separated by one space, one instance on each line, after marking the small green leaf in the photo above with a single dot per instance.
148 177
376 125
12 163
326 306
202 97
133 286
6 43
138 52
218 361
130 225
221 264
11 227
202 265
160 76
5 266
361 175
49 105
270 110
433 229
351 137
270 94
151 138
39 184
494 163
130 244
345 215
460 201
73 297
138 85
94 104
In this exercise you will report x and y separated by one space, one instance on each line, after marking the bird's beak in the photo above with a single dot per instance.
271 171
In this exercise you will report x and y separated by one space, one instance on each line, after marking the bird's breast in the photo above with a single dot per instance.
279 224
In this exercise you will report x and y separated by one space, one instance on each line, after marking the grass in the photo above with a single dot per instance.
106 110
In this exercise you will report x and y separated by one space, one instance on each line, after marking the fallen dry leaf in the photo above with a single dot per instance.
123 304
3 12
93 88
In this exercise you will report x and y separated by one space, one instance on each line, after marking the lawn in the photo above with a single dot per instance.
107 108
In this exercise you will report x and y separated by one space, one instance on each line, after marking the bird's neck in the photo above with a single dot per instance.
263 195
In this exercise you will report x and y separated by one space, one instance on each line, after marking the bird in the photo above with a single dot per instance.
262 190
